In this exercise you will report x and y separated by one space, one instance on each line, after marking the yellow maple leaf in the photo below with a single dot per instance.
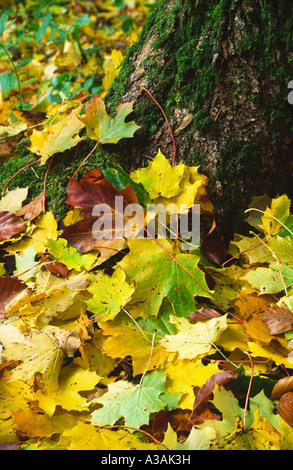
72 381
184 375
261 435
57 137
278 212
88 437
160 179
196 340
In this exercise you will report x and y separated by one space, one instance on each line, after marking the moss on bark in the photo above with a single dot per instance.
228 63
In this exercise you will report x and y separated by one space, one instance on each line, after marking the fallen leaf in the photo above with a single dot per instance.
57 268
12 200
206 391
204 314
160 179
196 340
10 225
278 319
103 128
33 209
285 407
9 288
261 435
110 294
159 272
214 248
283 386
133 402
57 137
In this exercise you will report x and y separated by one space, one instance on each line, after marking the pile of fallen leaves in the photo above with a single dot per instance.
136 343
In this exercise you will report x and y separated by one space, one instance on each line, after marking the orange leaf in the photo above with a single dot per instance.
285 407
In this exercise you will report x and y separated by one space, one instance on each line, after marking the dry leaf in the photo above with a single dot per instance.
10 225
285 407
33 209
278 319
204 314
283 386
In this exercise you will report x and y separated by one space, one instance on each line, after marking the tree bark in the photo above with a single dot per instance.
220 70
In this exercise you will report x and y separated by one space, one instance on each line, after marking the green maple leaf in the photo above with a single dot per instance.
158 275
101 127
135 403
269 280
69 256
25 264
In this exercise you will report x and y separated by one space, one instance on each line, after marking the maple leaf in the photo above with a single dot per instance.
103 128
134 402
125 339
110 293
72 381
25 263
12 200
276 216
198 439
160 178
193 341
259 436
38 352
250 308
159 275
57 137
69 256
94 189
86 437
270 280
184 375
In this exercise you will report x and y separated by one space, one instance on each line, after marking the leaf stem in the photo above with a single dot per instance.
273 217
172 136
83 162
176 261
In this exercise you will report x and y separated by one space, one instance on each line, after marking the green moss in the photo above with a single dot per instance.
237 157
63 166
203 122
267 45
186 44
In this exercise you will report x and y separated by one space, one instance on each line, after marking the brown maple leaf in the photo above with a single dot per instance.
206 391
88 193
10 225
278 319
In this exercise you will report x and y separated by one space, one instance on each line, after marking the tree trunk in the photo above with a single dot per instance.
220 69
